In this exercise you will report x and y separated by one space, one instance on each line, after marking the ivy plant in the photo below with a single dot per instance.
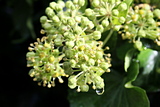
104 48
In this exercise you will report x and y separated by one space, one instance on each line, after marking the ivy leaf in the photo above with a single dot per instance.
147 59
119 92
128 58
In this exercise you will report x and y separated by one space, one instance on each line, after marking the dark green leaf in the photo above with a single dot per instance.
116 94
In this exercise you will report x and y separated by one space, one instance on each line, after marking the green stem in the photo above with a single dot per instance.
108 36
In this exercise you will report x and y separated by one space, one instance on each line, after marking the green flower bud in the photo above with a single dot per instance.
151 21
55 52
156 12
102 11
55 19
99 54
100 71
104 65
96 35
49 12
77 19
43 19
58 42
69 53
78 30
69 35
99 82
123 6
71 21
81 3
117 27
70 44
58 7
141 33
51 59
95 3
30 54
105 23
84 21
115 12
138 45
75 1
90 25
84 67
52 5
72 81
91 61
150 15
73 63
70 5
61 3
122 19
88 12
111 1
47 26
66 66
100 28
84 88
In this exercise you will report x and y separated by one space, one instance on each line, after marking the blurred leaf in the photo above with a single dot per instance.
118 92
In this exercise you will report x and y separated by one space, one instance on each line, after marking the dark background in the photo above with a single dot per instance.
17 88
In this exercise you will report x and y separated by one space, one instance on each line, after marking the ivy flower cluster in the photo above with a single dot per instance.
142 22
71 47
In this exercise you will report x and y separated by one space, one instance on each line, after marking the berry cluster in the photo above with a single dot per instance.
142 22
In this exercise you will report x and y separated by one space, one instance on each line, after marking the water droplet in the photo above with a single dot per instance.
100 91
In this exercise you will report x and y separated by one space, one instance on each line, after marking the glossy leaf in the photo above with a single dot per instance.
147 60
118 92
128 58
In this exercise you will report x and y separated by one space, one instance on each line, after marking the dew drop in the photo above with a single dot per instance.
100 91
